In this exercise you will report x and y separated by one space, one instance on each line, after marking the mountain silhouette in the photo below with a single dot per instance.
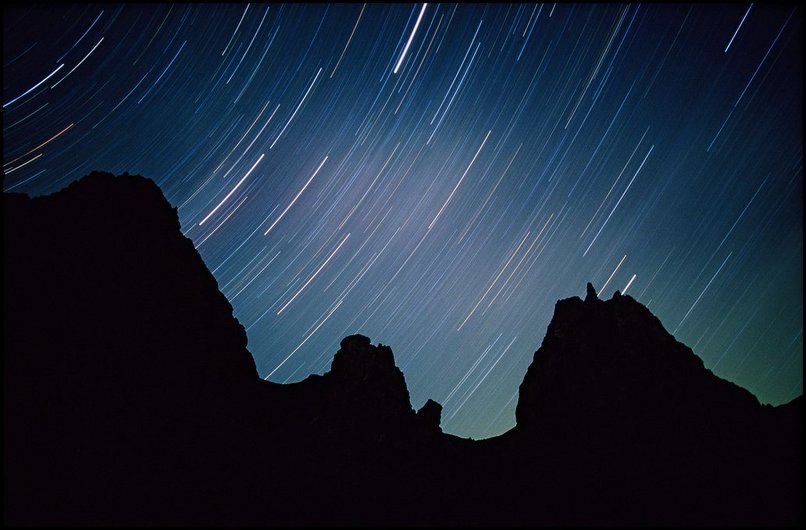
130 398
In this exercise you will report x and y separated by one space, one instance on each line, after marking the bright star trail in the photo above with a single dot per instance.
437 176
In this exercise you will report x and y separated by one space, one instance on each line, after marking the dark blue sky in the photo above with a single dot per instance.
437 177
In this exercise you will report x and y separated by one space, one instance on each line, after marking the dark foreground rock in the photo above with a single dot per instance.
130 398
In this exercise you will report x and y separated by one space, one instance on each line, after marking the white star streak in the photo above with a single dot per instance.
460 180
33 87
295 198
348 41
458 71
233 190
619 200
162 74
79 64
478 384
613 274
21 165
702 293
82 36
222 222
763 59
245 134
624 291
467 374
248 147
517 266
598 65
297 109
250 45
613 186
236 30
493 282
371 185
322 266
411 38
738 28
304 340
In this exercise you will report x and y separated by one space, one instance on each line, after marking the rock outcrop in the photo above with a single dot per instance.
611 365
366 381
430 415
615 399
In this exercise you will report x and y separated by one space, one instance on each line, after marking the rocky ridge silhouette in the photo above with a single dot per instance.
130 398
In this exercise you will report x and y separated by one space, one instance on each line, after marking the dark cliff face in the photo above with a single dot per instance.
122 360
130 398
99 274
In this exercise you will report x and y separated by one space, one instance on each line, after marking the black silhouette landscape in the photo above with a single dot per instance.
130 398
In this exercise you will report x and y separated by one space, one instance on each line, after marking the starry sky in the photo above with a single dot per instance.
437 176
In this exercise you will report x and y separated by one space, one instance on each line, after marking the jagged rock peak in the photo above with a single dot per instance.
430 415
368 375
590 295
357 354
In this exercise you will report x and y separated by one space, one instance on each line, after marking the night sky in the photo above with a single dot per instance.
436 177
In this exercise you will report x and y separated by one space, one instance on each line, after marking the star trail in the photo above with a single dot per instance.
436 176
